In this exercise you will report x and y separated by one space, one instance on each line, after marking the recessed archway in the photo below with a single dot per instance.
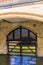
22 44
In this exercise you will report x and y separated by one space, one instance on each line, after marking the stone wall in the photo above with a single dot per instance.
35 26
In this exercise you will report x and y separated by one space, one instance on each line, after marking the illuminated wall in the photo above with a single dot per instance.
6 28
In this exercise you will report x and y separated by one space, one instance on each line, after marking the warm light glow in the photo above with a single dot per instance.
34 12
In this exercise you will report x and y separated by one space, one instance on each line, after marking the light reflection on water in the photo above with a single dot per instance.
26 60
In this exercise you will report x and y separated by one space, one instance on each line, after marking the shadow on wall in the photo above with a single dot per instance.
40 61
4 59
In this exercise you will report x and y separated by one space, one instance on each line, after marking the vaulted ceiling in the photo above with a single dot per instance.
24 12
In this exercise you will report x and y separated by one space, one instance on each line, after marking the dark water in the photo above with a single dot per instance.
25 60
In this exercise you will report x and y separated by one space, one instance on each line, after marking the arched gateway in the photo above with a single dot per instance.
22 47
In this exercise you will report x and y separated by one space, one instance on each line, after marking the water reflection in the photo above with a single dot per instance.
26 60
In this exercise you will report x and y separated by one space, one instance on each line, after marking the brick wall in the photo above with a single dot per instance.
35 26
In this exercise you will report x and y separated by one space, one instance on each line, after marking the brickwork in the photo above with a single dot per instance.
6 28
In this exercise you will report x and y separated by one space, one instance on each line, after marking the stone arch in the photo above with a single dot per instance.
29 28
23 41
23 27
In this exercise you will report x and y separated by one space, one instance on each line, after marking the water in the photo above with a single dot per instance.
26 60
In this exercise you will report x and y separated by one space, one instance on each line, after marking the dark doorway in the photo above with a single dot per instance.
22 47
